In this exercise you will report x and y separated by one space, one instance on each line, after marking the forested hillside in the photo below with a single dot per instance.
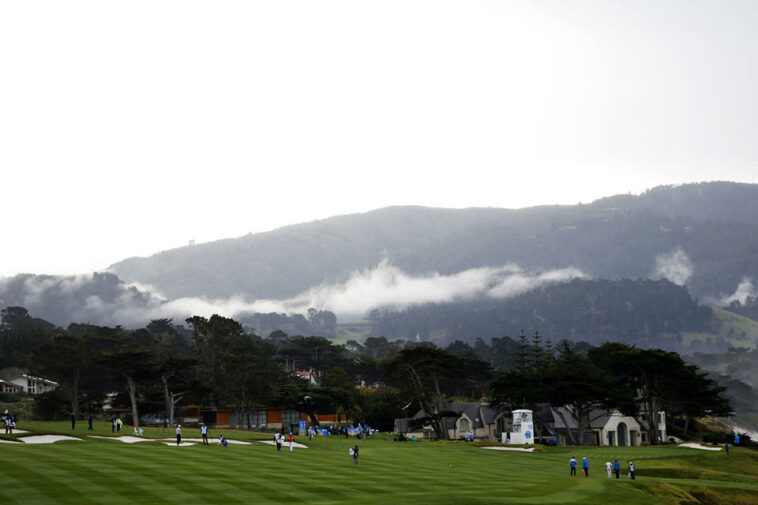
647 313
707 233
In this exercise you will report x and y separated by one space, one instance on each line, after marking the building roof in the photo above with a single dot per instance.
481 415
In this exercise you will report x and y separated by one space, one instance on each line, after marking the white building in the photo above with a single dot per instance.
32 385
606 427
522 428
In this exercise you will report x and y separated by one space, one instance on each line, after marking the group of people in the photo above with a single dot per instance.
10 422
279 440
468 436
203 432
116 424
611 468
90 421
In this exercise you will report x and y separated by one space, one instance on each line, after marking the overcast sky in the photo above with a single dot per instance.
131 127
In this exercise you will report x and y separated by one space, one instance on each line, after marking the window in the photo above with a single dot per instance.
463 424
258 419
290 417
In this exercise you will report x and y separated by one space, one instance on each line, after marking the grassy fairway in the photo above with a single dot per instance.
111 472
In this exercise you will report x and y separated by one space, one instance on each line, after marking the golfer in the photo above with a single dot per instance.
204 433
586 467
355 454
292 442
178 434
608 468
616 467
572 464
631 470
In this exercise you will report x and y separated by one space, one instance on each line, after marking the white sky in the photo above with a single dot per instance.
131 127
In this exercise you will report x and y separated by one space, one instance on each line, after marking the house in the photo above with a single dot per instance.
30 384
310 376
7 387
260 418
606 427
477 417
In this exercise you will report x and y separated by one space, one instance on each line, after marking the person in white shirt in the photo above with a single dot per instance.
178 434
609 468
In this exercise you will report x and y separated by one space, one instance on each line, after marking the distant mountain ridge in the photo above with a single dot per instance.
714 225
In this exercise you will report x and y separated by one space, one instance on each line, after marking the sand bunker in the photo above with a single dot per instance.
127 439
701 447
514 449
211 440
183 444
285 444
46 439
7 441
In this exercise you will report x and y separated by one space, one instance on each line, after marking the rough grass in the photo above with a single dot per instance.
730 327
352 331
439 473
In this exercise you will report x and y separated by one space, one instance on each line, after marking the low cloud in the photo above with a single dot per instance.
386 286
674 266
106 300
744 290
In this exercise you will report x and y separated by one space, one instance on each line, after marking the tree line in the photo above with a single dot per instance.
217 362
641 312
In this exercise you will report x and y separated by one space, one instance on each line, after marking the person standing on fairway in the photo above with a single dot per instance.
278 440
355 454
89 424
608 468
631 470
616 467
204 433
292 442
178 434
572 464
586 467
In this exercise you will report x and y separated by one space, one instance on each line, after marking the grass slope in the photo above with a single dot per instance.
352 331
106 471
736 330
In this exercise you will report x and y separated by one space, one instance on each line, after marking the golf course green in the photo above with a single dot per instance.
104 471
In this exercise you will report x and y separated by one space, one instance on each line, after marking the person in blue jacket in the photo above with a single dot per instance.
572 464
616 468
586 467
204 433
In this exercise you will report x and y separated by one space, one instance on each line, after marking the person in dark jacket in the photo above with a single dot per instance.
355 454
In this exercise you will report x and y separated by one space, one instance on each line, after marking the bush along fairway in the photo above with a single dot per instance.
97 470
